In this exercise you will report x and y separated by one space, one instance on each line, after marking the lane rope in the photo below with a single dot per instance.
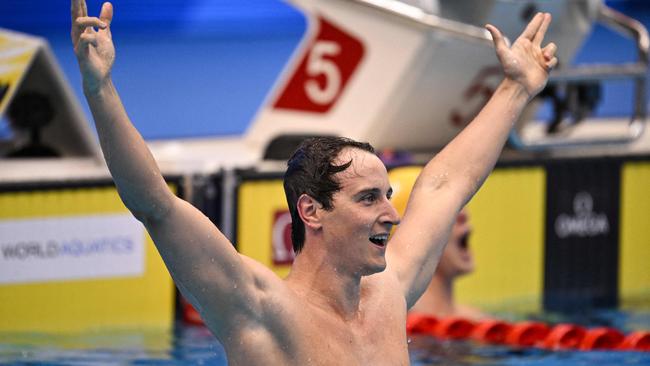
562 336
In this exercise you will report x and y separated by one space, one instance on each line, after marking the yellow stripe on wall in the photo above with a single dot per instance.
507 216
634 261
81 305
257 202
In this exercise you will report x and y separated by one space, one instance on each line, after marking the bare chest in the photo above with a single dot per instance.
314 337
375 341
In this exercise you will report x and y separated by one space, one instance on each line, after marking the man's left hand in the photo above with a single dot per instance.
526 62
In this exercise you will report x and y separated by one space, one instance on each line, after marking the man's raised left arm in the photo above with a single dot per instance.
454 175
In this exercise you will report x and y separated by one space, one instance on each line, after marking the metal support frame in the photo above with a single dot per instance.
609 17
636 71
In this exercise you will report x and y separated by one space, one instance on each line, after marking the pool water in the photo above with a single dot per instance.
429 351
195 345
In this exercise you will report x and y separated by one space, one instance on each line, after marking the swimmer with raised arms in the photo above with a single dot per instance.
346 298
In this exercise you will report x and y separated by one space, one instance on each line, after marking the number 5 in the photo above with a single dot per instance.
318 65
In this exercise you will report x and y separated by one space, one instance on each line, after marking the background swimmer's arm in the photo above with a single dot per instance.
223 285
452 177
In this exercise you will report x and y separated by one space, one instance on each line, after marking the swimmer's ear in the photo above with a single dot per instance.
307 208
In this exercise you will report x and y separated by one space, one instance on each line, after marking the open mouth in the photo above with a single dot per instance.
463 242
379 239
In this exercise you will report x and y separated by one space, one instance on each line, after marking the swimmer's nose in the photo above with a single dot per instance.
392 216
463 216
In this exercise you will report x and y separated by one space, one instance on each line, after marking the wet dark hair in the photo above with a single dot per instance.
310 170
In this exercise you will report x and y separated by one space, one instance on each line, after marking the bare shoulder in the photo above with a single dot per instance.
273 329
269 289
265 279
384 288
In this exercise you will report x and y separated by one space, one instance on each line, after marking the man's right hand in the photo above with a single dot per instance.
94 48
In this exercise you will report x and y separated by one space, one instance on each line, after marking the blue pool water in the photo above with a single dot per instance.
194 345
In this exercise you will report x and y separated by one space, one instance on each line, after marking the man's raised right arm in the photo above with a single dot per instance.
202 261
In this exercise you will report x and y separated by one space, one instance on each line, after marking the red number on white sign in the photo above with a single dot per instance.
319 65
324 71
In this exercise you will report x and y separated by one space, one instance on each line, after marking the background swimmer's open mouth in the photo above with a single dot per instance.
379 239
463 242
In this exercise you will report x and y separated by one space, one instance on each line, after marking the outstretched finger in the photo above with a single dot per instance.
106 15
497 38
533 26
541 32
78 9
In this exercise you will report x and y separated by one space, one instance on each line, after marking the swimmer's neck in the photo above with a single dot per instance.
438 299
320 283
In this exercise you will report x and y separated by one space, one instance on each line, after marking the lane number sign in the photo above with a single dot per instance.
329 62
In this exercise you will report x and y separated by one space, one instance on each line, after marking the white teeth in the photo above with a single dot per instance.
379 239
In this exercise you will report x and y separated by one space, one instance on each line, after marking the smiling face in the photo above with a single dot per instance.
457 259
356 229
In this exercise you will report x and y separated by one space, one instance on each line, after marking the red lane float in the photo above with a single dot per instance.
636 341
190 315
601 338
454 328
446 328
491 331
421 324
527 334
564 336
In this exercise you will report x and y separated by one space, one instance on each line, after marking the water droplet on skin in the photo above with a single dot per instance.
235 286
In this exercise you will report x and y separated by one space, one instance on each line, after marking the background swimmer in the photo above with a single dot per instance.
346 298
456 261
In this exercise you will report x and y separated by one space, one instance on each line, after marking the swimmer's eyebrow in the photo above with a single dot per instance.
374 191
